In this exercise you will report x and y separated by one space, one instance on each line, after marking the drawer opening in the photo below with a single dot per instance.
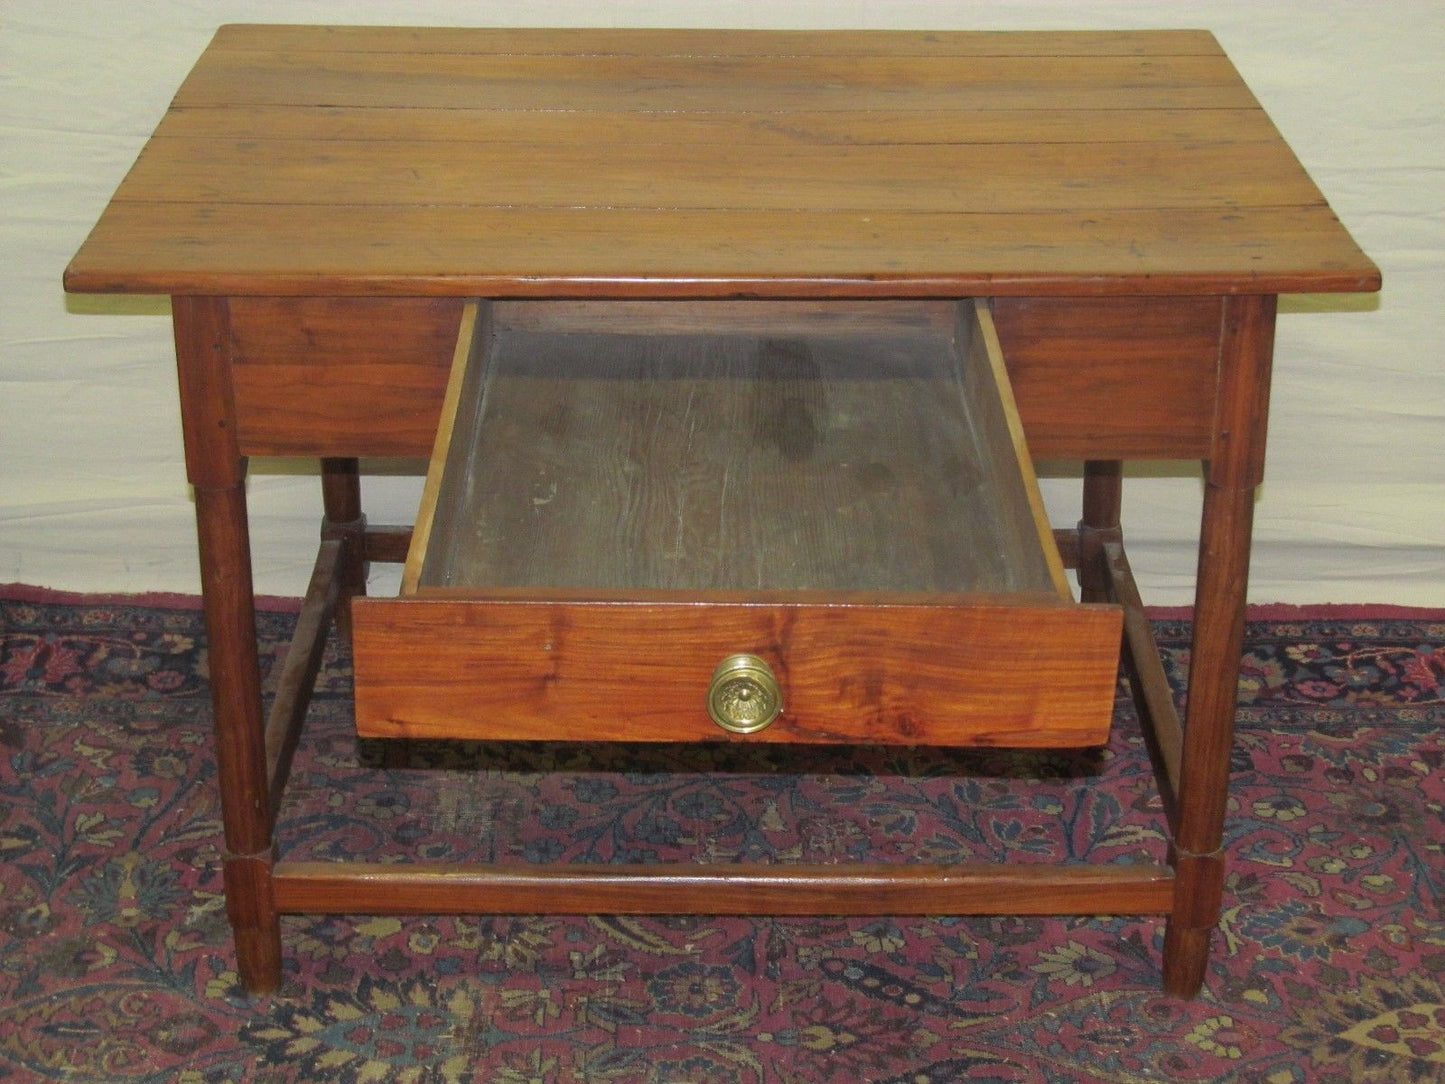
623 494
755 447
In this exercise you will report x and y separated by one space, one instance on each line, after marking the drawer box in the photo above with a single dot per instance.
625 494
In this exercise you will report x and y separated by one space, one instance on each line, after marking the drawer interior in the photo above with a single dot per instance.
733 446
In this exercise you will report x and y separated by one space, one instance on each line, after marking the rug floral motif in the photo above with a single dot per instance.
115 960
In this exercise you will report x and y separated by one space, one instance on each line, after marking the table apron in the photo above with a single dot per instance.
1095 378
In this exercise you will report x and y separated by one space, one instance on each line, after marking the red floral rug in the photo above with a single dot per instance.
115 960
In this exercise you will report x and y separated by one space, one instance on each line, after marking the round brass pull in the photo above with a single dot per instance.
744 696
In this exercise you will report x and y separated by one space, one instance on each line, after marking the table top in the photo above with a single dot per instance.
308 160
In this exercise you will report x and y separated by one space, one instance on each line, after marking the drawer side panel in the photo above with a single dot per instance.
341 376
1106 378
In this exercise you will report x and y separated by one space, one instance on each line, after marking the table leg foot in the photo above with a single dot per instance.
1186 958
258 959
255 922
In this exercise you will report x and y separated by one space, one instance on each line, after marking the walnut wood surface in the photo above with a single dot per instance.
1113 377
922 671
619 41
302 160
464 385
823 127
1153 695
217 472
297 680
938 178
1234 470
863 448
1129 377
340 376
343 523
1103 503
899 889
990 398
388 544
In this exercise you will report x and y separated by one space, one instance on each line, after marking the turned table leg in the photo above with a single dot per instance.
217 471
1235 468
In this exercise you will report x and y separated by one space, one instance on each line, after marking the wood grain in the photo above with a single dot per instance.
993 178
1103 503
1153 695
727 83
656 163
1113 378
987 390
463 385
868 448
901 889
756 446
1125 377
297 679
387 544
338 376
344 522
921 671
608 41
1234 470
488 252
799 127
217 472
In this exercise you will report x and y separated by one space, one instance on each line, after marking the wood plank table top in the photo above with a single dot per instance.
357 161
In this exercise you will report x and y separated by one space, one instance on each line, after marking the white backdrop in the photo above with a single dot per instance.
92 485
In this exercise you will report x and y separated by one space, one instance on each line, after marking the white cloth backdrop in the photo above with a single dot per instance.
92 485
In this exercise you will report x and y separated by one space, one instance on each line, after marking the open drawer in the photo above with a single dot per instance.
766 521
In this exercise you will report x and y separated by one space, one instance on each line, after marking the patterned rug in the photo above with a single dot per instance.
115 960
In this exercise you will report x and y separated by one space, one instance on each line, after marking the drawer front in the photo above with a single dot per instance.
975 672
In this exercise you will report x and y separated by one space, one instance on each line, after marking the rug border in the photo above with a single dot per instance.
1262 611
159 600
1314 611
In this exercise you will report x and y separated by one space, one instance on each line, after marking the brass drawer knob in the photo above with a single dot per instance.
744 696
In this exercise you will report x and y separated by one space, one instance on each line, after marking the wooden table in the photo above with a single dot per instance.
318 202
